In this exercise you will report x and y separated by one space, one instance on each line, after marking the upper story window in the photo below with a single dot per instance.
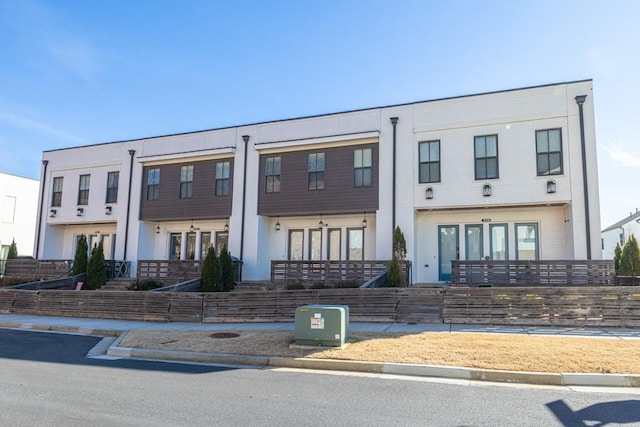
223 172
486 156
112 187
315 170
429 162
362 167
549 152
153 184
83 189
186 182
56 199
272 174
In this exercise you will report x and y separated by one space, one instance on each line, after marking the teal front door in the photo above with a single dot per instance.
448 249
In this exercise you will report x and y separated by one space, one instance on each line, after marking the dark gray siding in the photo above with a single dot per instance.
339 194
203 203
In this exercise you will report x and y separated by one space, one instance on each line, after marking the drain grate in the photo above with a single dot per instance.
224 335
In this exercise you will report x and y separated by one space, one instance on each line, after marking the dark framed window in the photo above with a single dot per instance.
429 162
486 156
527 246
272 174
315 169
205 244
186 182
362 167
83 189
296 245
112 187
222 241
499 242
191 246
334 241
175 245
223 172
56 199
549 152
355 244
153 184
315 244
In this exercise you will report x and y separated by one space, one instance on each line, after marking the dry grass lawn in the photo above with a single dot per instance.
472 350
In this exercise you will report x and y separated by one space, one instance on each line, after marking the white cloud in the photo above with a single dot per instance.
618 154
32 125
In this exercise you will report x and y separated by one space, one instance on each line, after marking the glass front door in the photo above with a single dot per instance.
448 250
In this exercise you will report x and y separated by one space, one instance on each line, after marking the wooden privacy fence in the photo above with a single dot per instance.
375 305
533 273
329 271
168 269
45 269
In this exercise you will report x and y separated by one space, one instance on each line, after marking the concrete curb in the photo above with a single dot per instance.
432 371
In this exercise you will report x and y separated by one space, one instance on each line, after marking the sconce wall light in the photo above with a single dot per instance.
428 193
551 186
158 229
52 213
226 225
364 220
107 210
486 190
79 211
278 224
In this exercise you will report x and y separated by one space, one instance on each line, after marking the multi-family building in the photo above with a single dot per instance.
501 175
619 234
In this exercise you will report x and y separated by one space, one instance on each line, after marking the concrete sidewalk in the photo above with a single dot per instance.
119 328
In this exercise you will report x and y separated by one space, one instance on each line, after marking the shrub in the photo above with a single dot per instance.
80 258
211 278
394 273
616 258
13 250
146 285
399 244
226 264
96 268
630 258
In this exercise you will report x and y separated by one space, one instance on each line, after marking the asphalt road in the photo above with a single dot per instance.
46 380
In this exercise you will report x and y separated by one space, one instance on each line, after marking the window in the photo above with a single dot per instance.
83 190
191 246
315 168
223 170
498 242
296 245
527 241
112 187
222 241
355 244
56 199
205 244
175 245
153 184
186 182
315 245
486 155
272 174
334 241
362 167
473 242
429 162
549 152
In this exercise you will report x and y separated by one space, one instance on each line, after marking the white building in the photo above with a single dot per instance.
619 233
18 213
498 175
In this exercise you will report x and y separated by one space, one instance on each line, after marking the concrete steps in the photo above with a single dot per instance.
122 284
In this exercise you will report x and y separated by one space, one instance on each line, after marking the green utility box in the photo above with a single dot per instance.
322 325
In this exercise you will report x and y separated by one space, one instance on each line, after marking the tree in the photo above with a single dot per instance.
395 277
226 265
616 258
80 259
96 268
630 258
13 250
394 273
211 278
399 244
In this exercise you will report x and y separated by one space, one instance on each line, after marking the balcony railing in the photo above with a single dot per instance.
330 271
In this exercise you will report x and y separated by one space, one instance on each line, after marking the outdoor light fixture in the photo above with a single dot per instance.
192 228
364 220
278 224
158 229
107 210
321 224
486 190
52 213
428 193
79 211
226 225
551 186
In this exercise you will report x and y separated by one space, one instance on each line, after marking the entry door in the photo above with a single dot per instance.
448 249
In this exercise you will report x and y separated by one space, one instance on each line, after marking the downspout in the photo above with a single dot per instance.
394 122
580 101
126 227
44 181
245 138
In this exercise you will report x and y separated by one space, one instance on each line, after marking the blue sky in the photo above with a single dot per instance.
78 72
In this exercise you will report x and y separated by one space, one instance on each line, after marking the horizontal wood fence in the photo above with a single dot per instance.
44 269
533 273
168 269
329 271
534 306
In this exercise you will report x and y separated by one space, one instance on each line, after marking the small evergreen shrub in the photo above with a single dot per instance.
630 258
80 259
146 285
211 277
394 273
226 265
13 250
616 258
96 268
